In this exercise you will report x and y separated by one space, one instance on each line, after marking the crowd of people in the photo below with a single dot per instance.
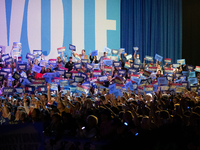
102 119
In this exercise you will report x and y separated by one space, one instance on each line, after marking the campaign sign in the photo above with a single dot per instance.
146 73
74 73
122 72
148 58
148 88
197 69
177 75
176 65
1 77
108 62
42 89
121 50
127 65
129 85
183 78
29 89
136 66
72 47
192 74
103 78
168 71
193 88
185 73
192 80
9 70
115 51
135 48
117 93
185 84
190 68
52 61
167 60
63 83
89 66
158 57
43 63
96 73
107 69
84 61
136 80
94 53
8 90
61 49
22 67
106 49
83 75
162 80
181 61
36 68
4 73
78 79
180 89
134 71
152 69
164 88
17 44
5 56
30 56
19 90
16 76
117 64
61 72
77 65
112 88
129 56
8 60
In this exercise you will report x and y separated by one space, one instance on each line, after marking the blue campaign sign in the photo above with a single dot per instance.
193 88
117 64
22 66
8 90
136 80
94 53
77 65
177 75
181 61
30 56
185 73
115 51
162 80
190 67
148 58
131 70
108 62
36 68
192 74
106 49
89 66
158 57
192 80
112 88
72 47
8 60
122 72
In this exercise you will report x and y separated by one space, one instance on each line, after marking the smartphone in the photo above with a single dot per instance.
83 128
125 123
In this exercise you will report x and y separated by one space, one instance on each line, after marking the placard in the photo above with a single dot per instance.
78 79
177 75
63 83
61 49
181 61
136 80
16 76
127 65
30 56
43 63
116 64
193 88
148 58
8 90
190 68
30 89
17 44
168 71
118 80
89 66
103 78
146 73
162 80
83 75
164 88
106 49
22 67
8 60
72 47
192 80
94 53
121 50
19 90
176 65
5 56
52 61
134 71
197 68
158 57
152 69
185 73
4 73
84 61
115 51
192 74
122 72
168 60
77 65
129 56
1 77
136 66
36 68
112 88
148 88
135 48
108 62
107 69
96 73
9 70
42 89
